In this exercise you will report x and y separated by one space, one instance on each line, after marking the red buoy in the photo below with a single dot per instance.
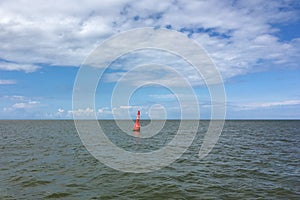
137 125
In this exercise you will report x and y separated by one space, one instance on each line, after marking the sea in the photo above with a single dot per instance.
253 159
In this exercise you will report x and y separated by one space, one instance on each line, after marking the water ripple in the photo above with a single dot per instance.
252 160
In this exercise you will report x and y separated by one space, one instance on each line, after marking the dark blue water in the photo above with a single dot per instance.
252 159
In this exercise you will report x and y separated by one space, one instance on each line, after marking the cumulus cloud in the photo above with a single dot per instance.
60 110
18 67
237 34
105 110
25 105
19 104
82 113
60 113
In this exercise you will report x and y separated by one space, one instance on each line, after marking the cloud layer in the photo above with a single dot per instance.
237 34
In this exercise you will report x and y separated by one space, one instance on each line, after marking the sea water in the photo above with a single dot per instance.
252 159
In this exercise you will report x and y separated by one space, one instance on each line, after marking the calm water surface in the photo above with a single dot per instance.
252 159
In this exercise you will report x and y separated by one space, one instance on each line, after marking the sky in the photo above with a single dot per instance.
255 46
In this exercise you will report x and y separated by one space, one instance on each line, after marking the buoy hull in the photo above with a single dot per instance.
137 125
136 128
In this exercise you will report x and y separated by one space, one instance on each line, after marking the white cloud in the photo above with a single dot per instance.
177 74
15 97
128 107
100 110
64 32
7 82
25 105
253 106
163 96
18 67
82 113
60 110
18 106
60 113
54 33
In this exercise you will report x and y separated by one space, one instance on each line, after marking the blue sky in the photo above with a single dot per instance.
255 46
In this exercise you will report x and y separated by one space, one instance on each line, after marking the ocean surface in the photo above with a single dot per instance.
252 160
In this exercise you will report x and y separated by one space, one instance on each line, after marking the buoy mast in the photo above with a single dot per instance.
137 125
